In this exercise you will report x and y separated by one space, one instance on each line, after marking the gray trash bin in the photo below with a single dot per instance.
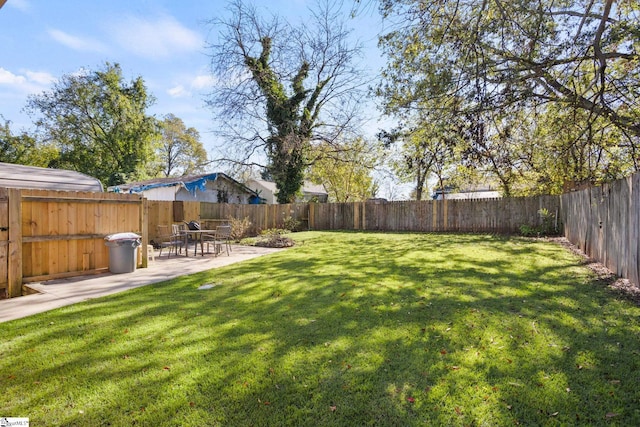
123 252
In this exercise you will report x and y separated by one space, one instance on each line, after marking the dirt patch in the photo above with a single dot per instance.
604 276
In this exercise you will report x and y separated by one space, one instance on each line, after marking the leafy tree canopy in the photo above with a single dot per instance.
518 69
99 123
24 149
179 150
345 169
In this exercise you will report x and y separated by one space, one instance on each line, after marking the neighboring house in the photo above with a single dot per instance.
213 187
267 190
21 176
468 194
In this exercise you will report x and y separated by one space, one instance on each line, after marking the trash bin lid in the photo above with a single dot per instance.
122 236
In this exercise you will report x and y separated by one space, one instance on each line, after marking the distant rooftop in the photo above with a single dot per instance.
307 187
21 176
190 182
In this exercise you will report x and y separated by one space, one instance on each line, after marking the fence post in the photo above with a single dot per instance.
311 222
14 282
144 228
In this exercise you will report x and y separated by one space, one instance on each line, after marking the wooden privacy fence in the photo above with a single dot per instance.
53 234
476 216
604 222
45 234
261 216
208 214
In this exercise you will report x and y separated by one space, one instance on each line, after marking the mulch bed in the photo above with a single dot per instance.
603 275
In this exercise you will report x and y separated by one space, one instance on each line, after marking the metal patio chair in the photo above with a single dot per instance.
174 240
221 238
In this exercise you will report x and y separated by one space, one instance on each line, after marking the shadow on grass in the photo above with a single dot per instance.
347 329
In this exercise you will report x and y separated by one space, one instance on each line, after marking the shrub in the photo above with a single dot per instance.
548 226
290 224
528 231
239 227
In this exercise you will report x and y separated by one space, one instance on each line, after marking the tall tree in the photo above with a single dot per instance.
180 151
23 148
283 87
562 152
99 123
498 57
427 149
345 169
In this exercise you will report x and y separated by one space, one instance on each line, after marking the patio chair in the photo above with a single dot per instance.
173 240
221 237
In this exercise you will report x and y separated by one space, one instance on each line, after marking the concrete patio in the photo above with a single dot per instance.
61 292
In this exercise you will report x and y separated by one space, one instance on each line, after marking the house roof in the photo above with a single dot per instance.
190 182
21 176
311 188
307 187
470 195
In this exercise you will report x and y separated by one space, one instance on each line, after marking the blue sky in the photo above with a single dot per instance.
161 40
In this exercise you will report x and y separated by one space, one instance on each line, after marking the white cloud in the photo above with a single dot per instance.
189 85
8 78
77 43
26 82
161 38
22 5
203 81
40 77
178 92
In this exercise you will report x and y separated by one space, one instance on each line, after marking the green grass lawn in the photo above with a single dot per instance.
346 329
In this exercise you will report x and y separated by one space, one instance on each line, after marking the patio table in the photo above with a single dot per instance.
198 238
